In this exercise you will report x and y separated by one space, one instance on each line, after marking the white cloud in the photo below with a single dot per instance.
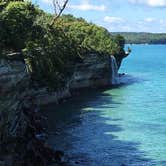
117 24
151 3
61 2
162 21
149 19
87 7
159 22
84 5
47 1
115 20
144 25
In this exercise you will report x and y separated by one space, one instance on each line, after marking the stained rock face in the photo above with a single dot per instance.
11 73
93 72
14 78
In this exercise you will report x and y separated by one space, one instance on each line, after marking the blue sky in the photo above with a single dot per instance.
118 15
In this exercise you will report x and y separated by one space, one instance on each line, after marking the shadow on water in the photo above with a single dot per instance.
80 129
126 80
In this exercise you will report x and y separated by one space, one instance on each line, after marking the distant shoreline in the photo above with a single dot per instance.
145 44
143 37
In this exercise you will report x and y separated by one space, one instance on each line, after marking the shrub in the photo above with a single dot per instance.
50 57
16 24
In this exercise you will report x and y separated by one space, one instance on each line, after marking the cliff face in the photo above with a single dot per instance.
14 80
14 89
92 72
11 73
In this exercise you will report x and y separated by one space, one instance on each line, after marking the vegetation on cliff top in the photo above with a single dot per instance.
49 49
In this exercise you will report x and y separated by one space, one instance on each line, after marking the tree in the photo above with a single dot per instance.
16 24
120 40
4 3
59 6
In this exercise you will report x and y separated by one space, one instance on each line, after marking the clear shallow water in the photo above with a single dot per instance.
121 126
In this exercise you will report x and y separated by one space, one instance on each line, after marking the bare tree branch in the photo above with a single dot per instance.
59 7
55 8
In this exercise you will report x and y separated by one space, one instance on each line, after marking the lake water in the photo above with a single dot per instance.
124 126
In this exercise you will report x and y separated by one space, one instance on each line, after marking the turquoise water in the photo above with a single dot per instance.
121 126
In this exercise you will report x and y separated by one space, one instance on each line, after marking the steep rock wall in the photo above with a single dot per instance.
93 72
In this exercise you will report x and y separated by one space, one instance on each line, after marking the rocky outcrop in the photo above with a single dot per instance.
19 118
91 73
11 73
22 130
14 79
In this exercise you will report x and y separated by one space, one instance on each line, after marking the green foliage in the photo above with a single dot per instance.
4 3
120 40
120 53
143 38
16 24
90 36
50 56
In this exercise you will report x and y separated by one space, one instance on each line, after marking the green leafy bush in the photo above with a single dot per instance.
92 37
50 57
16 24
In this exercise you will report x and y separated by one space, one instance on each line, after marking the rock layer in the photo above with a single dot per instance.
93 72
